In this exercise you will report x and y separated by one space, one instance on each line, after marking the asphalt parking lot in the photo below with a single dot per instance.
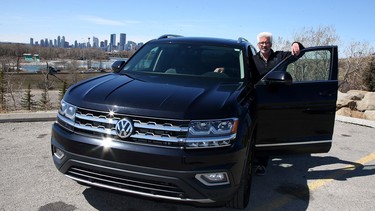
343 179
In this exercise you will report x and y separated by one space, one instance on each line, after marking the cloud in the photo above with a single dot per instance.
108 22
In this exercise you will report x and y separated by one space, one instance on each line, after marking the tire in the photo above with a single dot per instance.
242 197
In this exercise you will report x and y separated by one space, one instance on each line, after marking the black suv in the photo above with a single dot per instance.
182 119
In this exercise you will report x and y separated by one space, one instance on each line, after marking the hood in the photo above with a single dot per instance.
163 97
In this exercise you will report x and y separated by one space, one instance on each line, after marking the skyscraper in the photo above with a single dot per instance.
95 42
58 41
122 41
113 40
62 42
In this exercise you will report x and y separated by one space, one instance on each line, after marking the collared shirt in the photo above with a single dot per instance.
263 65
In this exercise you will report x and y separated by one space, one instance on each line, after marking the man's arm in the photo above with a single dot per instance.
296 48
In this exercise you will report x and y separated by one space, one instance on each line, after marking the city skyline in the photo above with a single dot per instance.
144 20
61 42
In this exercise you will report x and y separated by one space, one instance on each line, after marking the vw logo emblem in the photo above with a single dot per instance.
124 128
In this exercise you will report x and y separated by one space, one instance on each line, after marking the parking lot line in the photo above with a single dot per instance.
359 163
281 201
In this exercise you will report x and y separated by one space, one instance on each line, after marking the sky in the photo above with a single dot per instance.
143 20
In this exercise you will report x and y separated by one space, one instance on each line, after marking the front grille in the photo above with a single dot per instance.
150 131
125 183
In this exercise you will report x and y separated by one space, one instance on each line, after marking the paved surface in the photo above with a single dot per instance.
342 179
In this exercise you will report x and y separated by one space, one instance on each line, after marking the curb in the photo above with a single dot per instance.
39 116
356 121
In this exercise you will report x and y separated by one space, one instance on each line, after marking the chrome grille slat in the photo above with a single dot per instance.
123 182
83 172
96 129
159 132
156 138
160 127
101 119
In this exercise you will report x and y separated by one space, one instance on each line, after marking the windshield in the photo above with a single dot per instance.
188 59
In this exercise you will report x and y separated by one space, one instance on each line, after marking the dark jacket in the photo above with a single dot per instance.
264 66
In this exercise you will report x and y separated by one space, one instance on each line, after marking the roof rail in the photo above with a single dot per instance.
168 36
241 39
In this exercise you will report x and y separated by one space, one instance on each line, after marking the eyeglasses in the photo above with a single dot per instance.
264 43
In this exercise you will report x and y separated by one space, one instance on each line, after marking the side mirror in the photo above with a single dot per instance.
117 65
278 77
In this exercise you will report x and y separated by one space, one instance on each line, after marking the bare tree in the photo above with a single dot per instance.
3 103
320 36
309 37
354 62
13 89
355 67
45 101
74 71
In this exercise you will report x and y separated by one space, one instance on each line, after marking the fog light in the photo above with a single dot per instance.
58 153
211 179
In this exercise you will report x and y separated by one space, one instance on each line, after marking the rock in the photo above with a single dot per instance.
345 100
345 111
369 114
367 103
356 94
351 113
342 100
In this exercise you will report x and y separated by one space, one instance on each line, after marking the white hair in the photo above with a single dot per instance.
264 34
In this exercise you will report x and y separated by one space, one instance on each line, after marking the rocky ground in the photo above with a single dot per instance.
357 104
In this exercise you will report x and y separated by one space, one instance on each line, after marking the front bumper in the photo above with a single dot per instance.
157 172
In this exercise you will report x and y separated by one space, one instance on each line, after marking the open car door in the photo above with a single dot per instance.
296 103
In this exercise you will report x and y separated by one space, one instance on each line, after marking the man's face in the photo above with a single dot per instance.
264 45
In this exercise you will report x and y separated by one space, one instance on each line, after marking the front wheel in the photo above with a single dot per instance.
242 197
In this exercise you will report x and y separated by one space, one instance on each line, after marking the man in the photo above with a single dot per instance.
266 58
264 61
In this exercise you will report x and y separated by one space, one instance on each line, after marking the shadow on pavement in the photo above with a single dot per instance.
284 187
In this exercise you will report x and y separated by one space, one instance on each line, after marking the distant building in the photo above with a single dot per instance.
122 41
28 57
113 41
36 57
95 42
58 41
111 45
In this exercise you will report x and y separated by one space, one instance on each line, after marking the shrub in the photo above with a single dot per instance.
27 101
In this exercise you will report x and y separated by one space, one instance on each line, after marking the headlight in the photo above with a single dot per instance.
67 110
211 133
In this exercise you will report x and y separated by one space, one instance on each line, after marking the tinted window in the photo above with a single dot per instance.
188 59
312 66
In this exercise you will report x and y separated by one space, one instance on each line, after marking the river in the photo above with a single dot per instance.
59 64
